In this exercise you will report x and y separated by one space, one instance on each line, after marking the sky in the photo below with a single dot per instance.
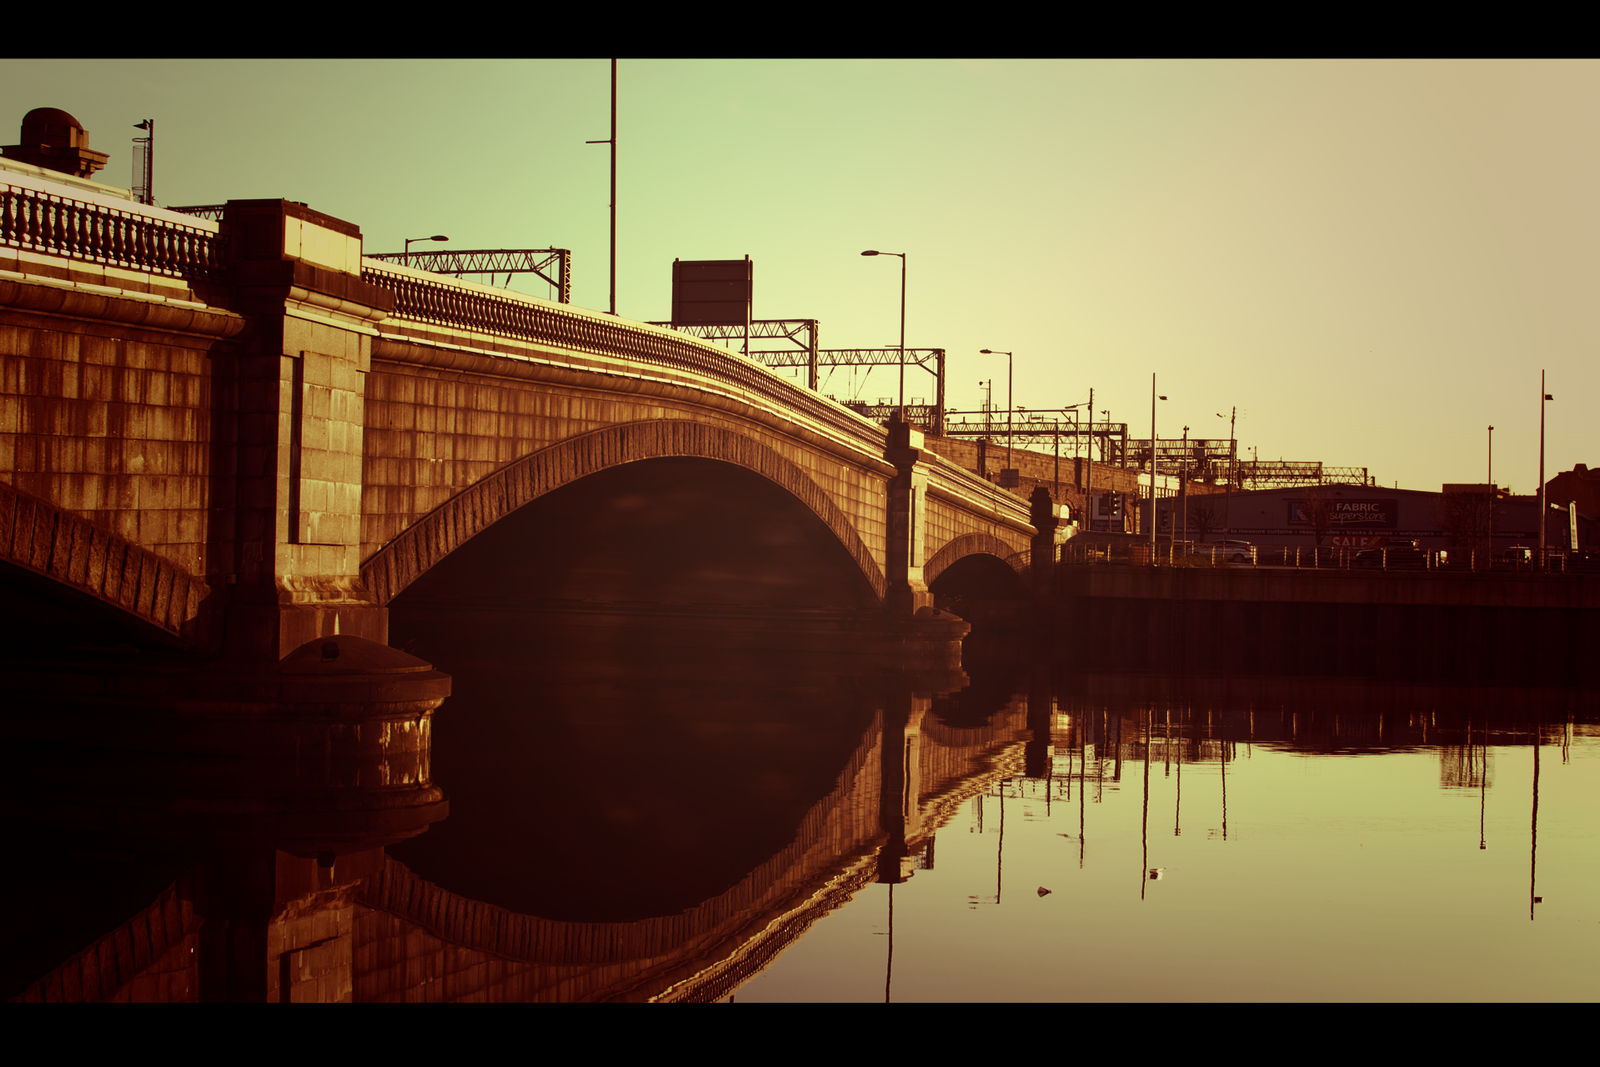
1372 261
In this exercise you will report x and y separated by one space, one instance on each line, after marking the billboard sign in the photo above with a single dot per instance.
711 292
1345 514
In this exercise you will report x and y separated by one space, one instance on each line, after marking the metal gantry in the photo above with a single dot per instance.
806 353
203 211
1280 473
1033 428
931 360
802 333
554 265
1202 459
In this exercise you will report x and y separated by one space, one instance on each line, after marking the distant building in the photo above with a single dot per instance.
1579 484
1354 516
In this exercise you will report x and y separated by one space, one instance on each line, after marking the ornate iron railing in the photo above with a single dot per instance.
77 229
499 316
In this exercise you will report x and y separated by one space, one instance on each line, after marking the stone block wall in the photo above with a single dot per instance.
433 432
115 429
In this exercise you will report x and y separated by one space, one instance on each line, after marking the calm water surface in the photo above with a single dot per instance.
673 808
1072 838
1350 875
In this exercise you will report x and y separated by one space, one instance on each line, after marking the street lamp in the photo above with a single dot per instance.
1490 562
612 141
1183 492
1233 467
902 255
413 240
1153 399
991 352
1543 396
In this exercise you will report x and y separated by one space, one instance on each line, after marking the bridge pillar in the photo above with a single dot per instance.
293 412
1042 513
908 491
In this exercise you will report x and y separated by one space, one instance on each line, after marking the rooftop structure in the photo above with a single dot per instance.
54 140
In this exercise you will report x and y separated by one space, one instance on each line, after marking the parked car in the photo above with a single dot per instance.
1393 553
1586 562
1514 557
1231 551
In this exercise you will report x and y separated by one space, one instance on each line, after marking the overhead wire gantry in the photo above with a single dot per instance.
806 353
554 265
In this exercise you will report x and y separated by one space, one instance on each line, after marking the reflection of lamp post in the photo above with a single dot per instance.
413 240
1543 396
991 352
902 255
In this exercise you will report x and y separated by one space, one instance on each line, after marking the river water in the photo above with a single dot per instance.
1078 837
692 809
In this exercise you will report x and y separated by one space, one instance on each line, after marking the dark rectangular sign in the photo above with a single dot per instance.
711 292
1345 514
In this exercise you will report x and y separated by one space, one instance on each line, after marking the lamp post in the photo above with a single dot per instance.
1543 396
1088 474
1153 399
413 240
1076 452
1183 491
1233 467
612 141
987 385
147 189
992 352
902 255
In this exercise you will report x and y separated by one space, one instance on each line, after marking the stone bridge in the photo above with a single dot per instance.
246 435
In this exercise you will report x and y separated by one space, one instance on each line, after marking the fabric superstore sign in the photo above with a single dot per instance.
1365 514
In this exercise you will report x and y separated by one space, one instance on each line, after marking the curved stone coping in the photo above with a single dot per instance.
495 313
72 297
42 538
427 541
975 544
524 362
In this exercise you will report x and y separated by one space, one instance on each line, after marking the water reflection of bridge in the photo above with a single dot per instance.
364 927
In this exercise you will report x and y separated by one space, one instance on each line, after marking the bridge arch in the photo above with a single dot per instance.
390 570
976 544
70 551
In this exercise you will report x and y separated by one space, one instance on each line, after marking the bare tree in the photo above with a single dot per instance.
1464 514
1318 512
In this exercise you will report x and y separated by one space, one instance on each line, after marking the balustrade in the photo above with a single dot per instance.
77 229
